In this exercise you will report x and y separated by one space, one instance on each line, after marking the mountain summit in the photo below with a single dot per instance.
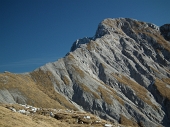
121 74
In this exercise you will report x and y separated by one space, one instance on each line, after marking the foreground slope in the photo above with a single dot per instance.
19 115
13 119
121 74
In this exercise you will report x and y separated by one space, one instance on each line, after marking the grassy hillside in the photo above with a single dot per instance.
62 118
34 90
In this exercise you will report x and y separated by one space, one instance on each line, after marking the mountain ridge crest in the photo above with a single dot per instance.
121 73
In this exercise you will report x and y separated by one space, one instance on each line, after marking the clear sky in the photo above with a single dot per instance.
35 32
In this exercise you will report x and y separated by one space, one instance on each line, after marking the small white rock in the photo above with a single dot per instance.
108 125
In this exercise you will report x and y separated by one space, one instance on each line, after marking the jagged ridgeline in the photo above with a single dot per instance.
121 74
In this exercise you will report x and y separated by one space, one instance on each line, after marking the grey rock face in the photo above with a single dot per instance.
12 96
111 74
122 72
79 43
165 31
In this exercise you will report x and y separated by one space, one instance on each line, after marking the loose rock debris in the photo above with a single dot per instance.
73 118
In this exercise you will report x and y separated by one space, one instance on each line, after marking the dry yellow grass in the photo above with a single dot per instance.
147 31
128 122
37 89
43 82
28 88
79 120
114 94
12 119
156 36
65 80
105 95
168 70
103 65
113 24
140 91
152 33
162 88
62 118
155 70
70 57
111 92
92 45
166 80
162 42
78 71
137 24
87 89
110 23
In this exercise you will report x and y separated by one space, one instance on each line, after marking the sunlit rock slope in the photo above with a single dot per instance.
122 74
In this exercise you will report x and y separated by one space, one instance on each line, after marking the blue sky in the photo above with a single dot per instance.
35 32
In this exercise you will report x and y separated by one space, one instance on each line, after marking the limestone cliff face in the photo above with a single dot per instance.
165 31
121 74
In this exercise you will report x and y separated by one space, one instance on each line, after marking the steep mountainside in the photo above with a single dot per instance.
121 74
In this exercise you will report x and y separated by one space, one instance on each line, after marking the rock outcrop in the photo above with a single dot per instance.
121 74
165 31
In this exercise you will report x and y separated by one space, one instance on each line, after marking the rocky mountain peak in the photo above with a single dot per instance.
117 26
113 25
122 74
